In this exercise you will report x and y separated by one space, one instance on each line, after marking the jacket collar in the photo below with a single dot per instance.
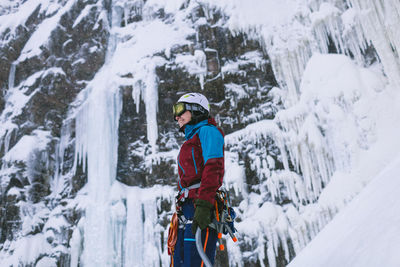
190 130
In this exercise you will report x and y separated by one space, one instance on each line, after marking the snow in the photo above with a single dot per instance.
252 57
56 222
194 64
366 232
26 145
43 32
26 249
13 19
137 43
169 6
16 99
46 262
253 131
85 12
234 174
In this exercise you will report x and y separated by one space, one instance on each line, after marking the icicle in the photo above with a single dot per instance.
11 76
138 7
134 239
7 138
151 102
288 66
380 20
145 86
118 226
57 183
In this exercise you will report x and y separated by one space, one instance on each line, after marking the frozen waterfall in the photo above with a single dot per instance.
96 149
120 226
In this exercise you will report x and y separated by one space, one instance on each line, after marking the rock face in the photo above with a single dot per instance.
49 60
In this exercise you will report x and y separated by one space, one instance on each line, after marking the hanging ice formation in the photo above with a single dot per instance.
379 21
96 145
308 126
351 31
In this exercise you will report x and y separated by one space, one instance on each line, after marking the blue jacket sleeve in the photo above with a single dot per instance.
212 143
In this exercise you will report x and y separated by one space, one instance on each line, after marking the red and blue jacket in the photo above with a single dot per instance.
201 159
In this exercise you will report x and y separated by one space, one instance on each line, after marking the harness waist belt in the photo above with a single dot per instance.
187 189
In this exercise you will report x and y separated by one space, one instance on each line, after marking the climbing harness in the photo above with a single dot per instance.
184 193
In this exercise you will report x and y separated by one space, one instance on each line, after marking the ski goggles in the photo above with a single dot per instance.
179 108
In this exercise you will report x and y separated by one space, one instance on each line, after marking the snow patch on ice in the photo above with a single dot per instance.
26 145
43 32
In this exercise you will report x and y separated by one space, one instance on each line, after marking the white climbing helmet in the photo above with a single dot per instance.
195 98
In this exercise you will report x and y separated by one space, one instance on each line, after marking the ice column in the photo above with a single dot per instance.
96 147
143 238
97 125
11 76
151 100
145 87
58 179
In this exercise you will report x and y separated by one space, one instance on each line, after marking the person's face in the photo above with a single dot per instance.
184 118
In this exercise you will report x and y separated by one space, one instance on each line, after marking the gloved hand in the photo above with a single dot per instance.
202 215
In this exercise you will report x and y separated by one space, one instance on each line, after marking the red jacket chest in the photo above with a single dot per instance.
190 162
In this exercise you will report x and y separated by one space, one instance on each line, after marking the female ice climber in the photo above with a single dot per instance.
201 170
